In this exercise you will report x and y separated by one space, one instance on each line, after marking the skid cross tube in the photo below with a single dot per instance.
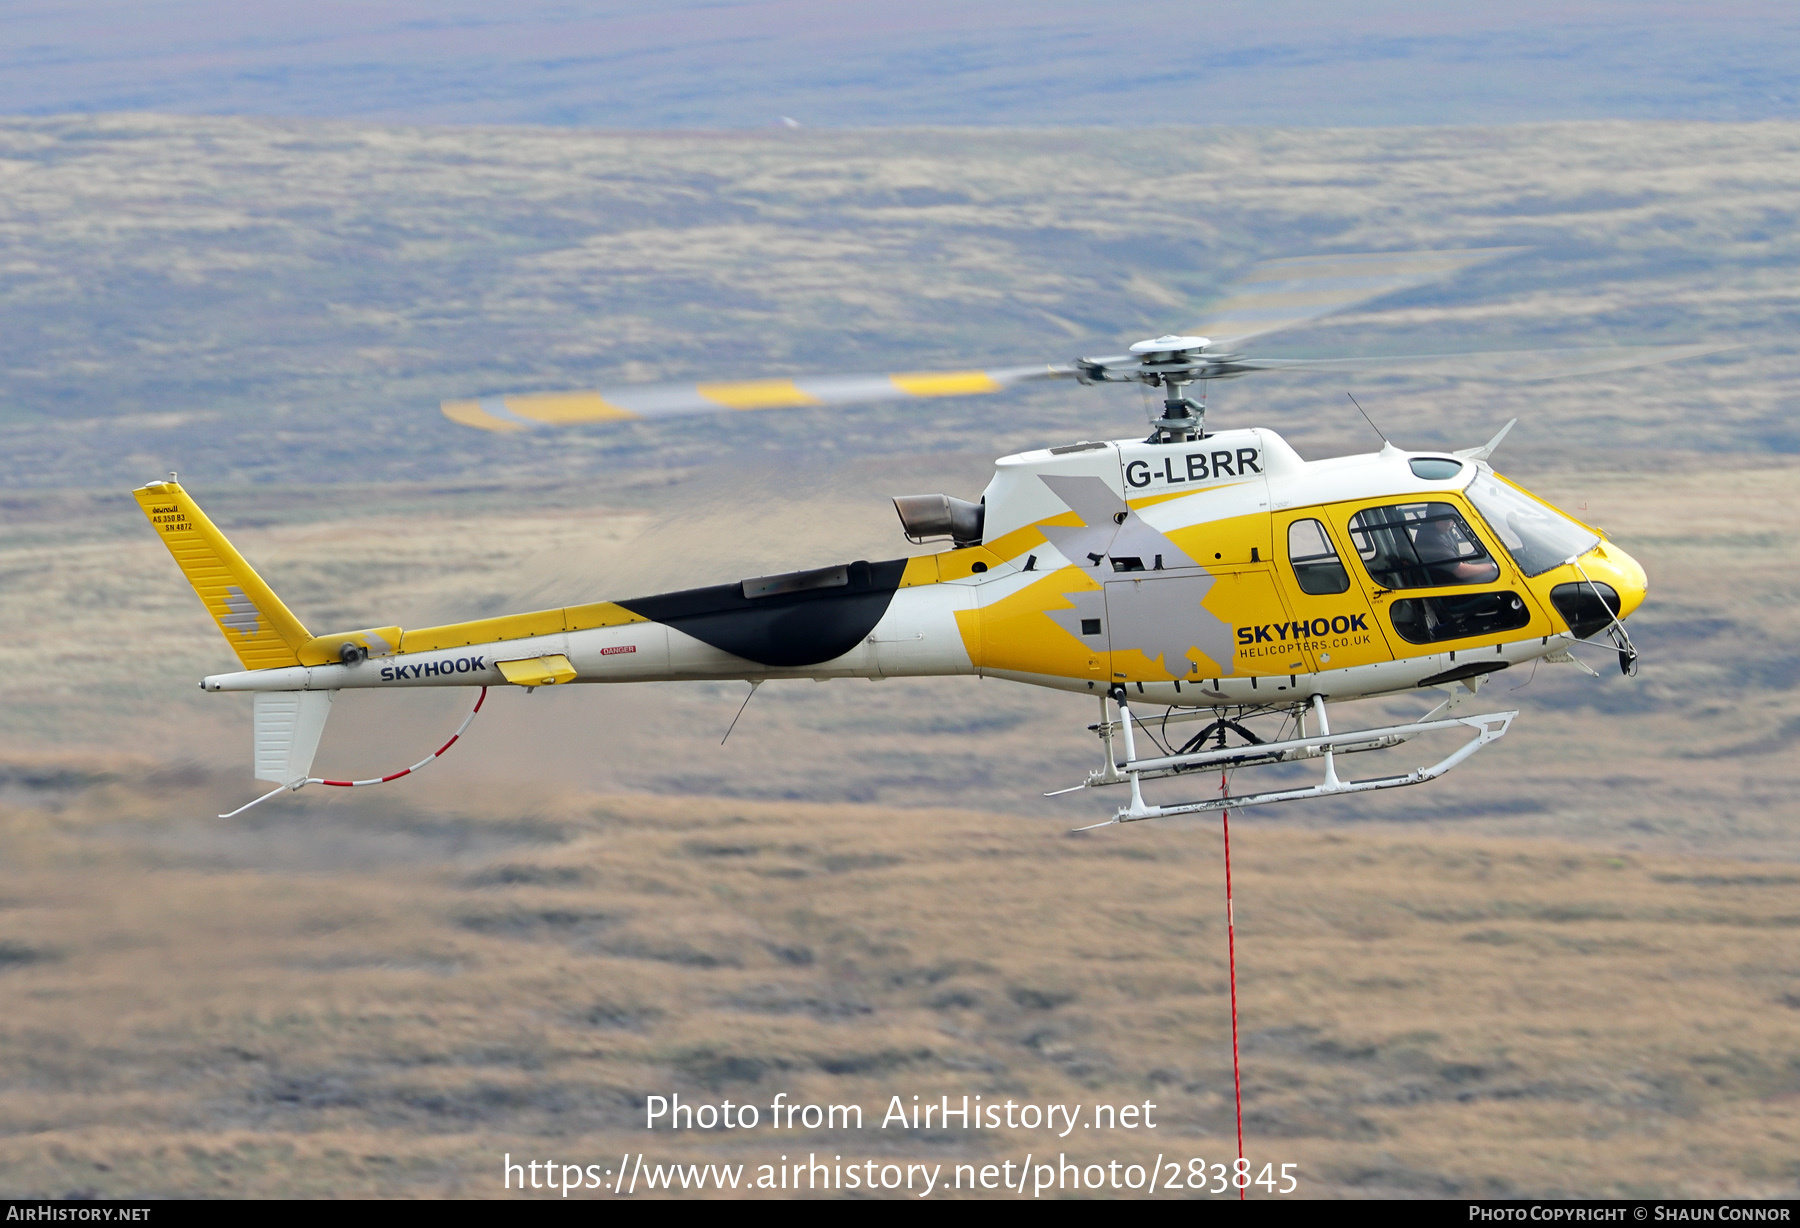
1298 748
1487 727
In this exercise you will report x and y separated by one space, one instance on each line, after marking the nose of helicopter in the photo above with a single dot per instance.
1590 590
1608 564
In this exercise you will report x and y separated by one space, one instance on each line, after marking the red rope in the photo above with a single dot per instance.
357 784
1237 1082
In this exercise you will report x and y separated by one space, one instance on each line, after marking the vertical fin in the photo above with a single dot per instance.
258 627
288 726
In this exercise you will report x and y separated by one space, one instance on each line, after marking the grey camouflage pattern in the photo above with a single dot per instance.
1157 611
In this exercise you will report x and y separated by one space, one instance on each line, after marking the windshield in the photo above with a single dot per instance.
1537 537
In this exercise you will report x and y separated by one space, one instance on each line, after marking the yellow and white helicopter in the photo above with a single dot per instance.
1213 573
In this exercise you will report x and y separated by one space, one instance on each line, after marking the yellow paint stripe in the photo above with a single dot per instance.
755 394
1014 546
945 383
561 407
599 614
961 564
323 649
921 569
483 631
1164 497
470 413
519 626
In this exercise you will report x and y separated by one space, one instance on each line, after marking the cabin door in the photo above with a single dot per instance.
1333 626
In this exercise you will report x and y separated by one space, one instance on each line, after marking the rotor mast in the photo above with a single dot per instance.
1173 363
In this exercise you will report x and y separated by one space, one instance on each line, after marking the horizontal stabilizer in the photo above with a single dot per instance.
538 671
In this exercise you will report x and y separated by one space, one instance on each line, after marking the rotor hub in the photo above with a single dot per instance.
1172 363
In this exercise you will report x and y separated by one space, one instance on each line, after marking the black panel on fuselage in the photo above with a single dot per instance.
785 630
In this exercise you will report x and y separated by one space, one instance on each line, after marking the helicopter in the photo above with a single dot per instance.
1215 574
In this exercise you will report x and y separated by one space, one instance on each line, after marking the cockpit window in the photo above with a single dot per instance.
1427 620
1420 545
1537 537
1315 560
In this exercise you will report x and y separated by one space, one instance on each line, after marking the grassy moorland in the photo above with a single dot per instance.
316 1002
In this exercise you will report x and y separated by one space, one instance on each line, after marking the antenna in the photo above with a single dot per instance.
1366 418
754 683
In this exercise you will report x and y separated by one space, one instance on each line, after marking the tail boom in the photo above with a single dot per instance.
917 635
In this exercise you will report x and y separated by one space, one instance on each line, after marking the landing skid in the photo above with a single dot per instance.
1325 745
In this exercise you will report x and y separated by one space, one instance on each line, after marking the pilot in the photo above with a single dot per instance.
1440 548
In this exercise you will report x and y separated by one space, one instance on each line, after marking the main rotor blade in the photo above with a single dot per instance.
526 411
1510 366
1282 293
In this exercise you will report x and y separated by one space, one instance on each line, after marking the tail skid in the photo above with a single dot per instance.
1325 745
